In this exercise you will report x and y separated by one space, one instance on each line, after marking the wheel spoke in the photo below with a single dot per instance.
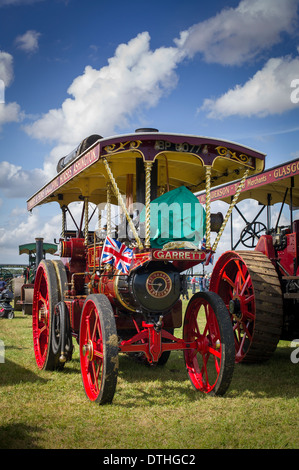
216 353
245 285
227 279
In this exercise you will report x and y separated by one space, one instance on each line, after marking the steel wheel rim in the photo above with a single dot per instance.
91 351
204 363
41 318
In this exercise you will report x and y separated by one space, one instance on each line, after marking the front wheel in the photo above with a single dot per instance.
210 362
98 349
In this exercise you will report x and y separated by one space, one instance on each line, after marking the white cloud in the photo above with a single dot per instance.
9 113
17 2
23 227
6 67
267 92
24 230
236 35
28 42
16 182
103 100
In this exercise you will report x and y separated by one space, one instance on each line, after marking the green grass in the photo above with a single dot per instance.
153 408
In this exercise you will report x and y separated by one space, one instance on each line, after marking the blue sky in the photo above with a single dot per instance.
72 68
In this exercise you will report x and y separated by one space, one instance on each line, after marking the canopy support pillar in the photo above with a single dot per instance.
63 221
208 207
109 193
229 211
122 204
86 220
148 169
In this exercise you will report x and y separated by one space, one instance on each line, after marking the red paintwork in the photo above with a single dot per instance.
265 245
285 257
41 322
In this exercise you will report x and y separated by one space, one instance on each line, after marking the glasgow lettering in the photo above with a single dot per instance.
290 169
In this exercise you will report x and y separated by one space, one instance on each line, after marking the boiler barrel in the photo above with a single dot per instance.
84 145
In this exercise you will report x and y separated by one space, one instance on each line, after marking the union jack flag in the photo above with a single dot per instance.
117 254
203 243
209 258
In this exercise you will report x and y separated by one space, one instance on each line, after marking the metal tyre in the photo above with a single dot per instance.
61 277
98 349
210 364
61 332
249 286
45 297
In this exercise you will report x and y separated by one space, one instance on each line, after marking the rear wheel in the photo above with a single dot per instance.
249 286
210 363
98 349
45 298
61 332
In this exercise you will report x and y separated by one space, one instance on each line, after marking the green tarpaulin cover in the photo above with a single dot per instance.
176 216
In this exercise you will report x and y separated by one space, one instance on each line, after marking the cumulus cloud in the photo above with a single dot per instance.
4 3
103 100
16 182
23 227
267 92
10 112
6 67
236 35
24 230
28 42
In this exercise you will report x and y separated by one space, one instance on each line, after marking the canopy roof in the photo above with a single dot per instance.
31 248
273 182
181 161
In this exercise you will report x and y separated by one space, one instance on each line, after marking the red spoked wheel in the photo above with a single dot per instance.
249 286
210 364
98 349
45 297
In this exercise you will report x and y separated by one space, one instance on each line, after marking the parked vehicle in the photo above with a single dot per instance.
22 286
261 287
117 289
6 309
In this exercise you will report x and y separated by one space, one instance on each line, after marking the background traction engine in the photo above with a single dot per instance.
123 294
261 287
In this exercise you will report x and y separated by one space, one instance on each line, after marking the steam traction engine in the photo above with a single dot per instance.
260 287
118 289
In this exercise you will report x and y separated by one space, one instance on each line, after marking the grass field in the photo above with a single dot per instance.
153 408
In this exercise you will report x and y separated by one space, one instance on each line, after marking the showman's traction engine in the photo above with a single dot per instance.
119 283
